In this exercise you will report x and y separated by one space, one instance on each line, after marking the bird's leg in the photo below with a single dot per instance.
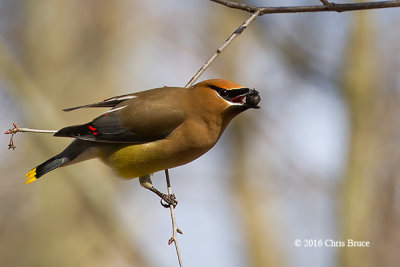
170 199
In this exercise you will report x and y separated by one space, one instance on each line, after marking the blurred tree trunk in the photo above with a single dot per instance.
360 85
370 210
63 56
257 225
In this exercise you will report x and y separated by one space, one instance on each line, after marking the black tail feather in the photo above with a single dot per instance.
69 154
50 165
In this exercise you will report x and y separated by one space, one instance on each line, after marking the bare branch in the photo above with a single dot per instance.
16 129
235 34
328 6
245 7
259 11
175 228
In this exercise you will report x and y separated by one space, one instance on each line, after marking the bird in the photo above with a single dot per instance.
153 130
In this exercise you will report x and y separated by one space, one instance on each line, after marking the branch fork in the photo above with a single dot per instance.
12 131
326 6
16 130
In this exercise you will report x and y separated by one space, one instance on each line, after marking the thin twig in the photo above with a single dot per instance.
235 34
175 228
321 8
16 129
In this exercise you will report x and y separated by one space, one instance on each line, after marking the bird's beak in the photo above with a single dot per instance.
246 97
252 99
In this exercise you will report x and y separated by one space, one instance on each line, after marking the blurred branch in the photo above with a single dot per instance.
327 6
28 90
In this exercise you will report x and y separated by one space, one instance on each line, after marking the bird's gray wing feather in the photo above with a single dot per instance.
142 119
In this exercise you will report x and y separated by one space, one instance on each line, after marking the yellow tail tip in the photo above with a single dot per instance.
31 176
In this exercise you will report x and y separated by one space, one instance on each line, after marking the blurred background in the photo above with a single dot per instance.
319 160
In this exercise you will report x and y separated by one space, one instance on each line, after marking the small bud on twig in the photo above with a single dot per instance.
17 129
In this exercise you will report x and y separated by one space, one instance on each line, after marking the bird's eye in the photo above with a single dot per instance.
223 92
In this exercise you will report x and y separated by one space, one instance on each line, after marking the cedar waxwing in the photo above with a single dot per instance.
153 130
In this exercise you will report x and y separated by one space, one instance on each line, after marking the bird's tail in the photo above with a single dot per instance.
69 155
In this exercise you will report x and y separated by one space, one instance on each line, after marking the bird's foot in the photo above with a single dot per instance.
168 200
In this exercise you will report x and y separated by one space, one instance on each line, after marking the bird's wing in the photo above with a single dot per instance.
109 102
137 120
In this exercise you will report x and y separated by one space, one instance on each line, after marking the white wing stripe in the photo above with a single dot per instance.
120 98
112 110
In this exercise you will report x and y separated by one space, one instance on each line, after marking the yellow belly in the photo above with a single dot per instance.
132 161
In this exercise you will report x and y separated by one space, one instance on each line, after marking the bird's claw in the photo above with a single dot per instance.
168 200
